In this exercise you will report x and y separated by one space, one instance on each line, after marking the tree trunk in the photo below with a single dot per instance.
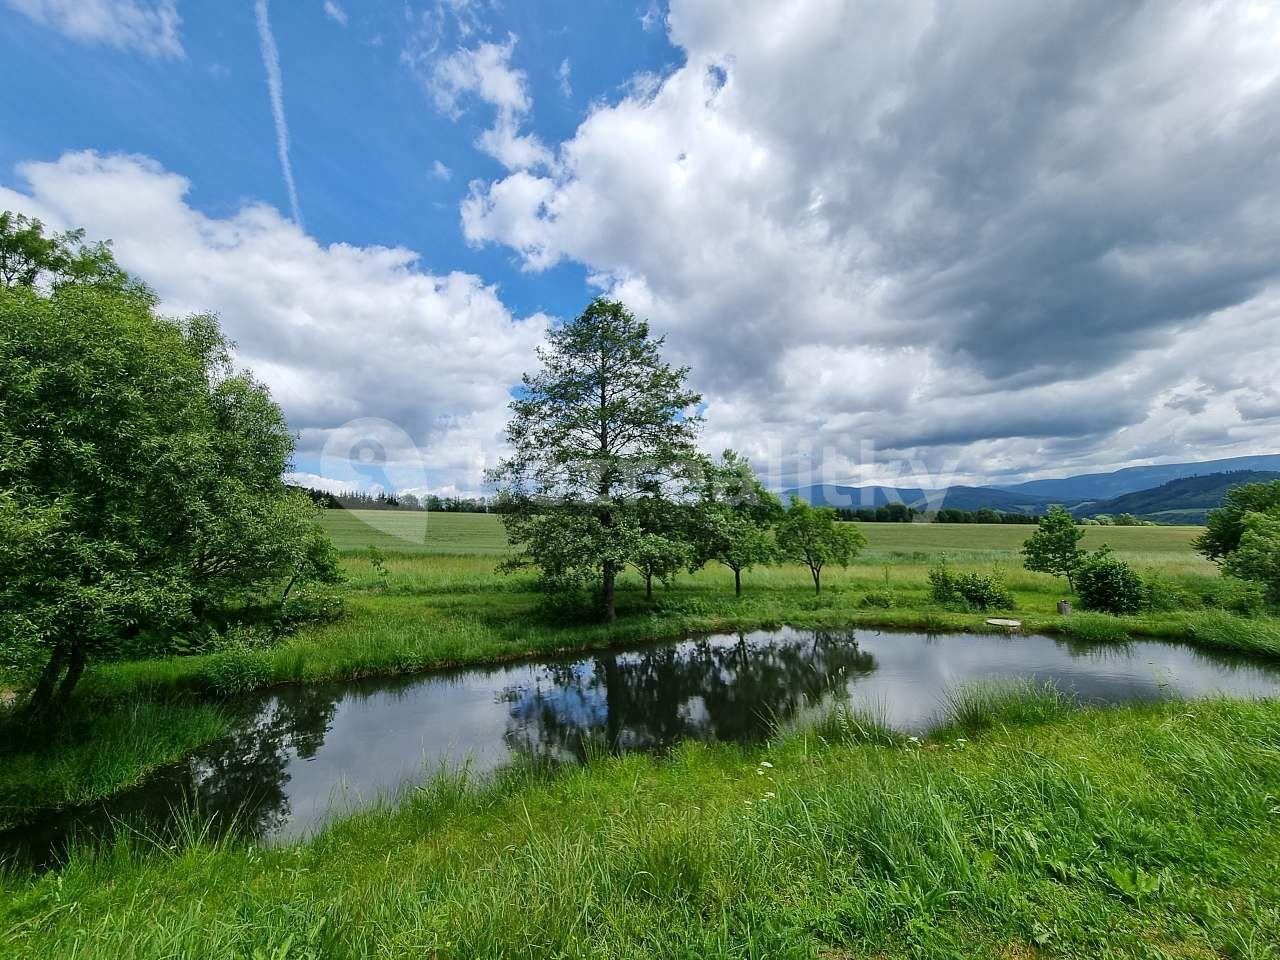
42 695
737 583
610 607
817 579
74 669
648 584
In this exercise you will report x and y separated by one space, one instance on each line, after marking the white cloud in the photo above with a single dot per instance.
440 171
994 233
150 28
483 72
564 75
334 12
317 482
340 333
275 90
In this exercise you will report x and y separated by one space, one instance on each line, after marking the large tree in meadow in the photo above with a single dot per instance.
140 474
603 426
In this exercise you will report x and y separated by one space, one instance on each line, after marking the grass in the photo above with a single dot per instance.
94 753
1138 832
443 609
399 531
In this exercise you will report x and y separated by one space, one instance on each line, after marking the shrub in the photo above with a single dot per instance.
1108 584
877 600
237 669
1166 594
969 591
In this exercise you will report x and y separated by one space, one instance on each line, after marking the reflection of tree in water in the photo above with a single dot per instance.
704 690
236 783
243 775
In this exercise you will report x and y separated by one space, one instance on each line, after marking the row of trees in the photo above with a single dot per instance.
357 500
605 474
140 473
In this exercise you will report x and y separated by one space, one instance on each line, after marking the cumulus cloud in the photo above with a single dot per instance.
374 359
998 235
483 72
150 28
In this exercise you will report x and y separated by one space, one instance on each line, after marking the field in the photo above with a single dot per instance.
402 531
1023 827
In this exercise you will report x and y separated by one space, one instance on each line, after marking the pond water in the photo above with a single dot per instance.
302 754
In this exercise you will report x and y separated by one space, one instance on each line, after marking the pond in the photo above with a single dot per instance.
299 755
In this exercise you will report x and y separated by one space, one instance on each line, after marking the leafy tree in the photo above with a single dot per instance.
29 258
986 515
811 535
735 517
1257 558
1108 584
1055 546
662 548
140 480
604 423
1226 526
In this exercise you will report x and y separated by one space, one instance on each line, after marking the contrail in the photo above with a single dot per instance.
275 87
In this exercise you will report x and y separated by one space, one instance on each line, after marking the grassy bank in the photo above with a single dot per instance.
1022 829
441 609
94 753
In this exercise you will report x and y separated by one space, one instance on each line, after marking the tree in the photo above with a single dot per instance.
1055 546
735 517
29 258
1109 585
662 548
605 422
811 535
1257 556
140 479
1226 525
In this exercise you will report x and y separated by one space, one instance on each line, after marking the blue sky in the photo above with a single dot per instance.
364 136
911 241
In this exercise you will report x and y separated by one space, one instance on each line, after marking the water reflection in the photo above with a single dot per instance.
710 689
301 754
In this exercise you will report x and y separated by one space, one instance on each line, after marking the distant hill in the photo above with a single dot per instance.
1187 500
1106 486
957 498
1088 494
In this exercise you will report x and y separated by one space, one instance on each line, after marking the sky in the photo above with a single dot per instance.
906 241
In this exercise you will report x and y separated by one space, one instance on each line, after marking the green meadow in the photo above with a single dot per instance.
1020 827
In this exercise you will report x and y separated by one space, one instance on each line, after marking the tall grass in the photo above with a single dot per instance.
1140 832
93 753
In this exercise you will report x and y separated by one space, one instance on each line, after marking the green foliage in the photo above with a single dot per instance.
603 424
1226 525
811 535
1107 584
239 668
969 590
733 517
1055 546
30 258
1166 593
140 474
1257 558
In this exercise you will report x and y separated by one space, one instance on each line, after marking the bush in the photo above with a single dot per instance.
1166 594
877 600
969 591
1108 584
237 669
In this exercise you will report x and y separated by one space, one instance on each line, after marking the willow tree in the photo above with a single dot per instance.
604 426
